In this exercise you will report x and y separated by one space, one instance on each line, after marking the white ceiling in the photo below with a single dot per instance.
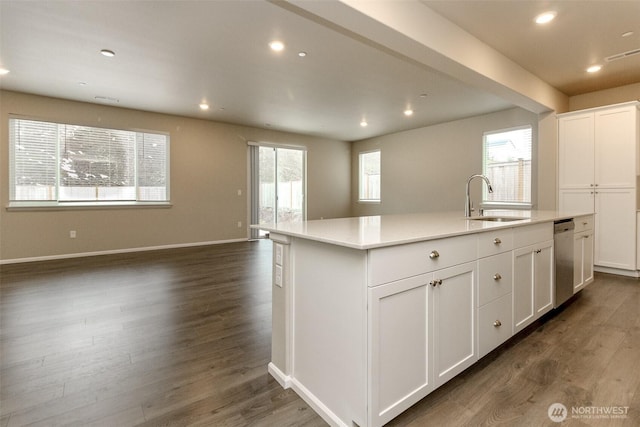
172 55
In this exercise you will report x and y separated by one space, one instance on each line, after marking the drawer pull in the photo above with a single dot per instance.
434 254
497 276
436 282
585 223
497 323
497 241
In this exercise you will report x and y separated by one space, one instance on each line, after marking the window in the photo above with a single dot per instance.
369 176
507 164
52 162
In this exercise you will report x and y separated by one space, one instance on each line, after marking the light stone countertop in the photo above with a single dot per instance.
368 232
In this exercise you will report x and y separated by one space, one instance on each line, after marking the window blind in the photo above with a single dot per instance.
71 163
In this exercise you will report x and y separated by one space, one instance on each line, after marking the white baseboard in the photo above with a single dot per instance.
283 380
118 251
618 271
326 414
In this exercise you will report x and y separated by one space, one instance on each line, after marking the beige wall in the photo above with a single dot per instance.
605 97
426 169
208 167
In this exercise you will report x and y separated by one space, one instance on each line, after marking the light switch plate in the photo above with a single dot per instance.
278 276
279 250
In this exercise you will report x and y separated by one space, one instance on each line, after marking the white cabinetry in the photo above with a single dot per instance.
533 275
435 312
454 331
582 253
400 372
598 168
495 286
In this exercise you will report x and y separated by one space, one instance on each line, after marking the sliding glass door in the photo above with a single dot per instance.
278 185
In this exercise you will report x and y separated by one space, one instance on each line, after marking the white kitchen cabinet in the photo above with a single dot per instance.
429 317
495 306
400 346
615 228
599 157
454 317
582 254
533 275
576 154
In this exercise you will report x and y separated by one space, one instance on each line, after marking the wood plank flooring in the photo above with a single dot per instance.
182 338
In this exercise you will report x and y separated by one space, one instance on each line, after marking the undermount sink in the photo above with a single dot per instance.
496 218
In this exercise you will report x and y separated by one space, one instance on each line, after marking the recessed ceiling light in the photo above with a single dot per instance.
546 17
204 106
302 54
594 68
108 53
82 83
423 95
276 45
364 123
627 34
408 112
3 71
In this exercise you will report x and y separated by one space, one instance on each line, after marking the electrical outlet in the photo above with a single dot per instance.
72 234
239 224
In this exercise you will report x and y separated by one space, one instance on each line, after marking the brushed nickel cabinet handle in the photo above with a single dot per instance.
497 323
497 276
434 254
497 241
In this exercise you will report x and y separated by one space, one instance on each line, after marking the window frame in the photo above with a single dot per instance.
489 204
83 204
361 175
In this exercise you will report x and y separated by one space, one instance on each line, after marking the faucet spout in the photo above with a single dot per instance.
467 205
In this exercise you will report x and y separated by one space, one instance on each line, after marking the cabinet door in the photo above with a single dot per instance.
583 260
399 347
454 313
615 147
523 287
576 200
615 228
576 151
544 280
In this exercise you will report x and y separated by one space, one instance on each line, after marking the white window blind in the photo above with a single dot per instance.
369 176
71 163
507 156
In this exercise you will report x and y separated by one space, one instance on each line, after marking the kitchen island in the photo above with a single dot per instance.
371 314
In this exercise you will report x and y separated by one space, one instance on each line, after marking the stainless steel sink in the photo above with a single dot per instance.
497 218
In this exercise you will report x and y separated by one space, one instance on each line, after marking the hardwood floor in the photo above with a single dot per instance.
182 337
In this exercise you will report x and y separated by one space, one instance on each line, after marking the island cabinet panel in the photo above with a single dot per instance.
400 343
398 262
422 333
454 328
329 328
533 274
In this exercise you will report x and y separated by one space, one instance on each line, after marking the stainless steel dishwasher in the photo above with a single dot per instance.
563 250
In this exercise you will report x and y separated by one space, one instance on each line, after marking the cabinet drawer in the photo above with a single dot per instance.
532 234
495 242
495 277
583 223
399 262
494 324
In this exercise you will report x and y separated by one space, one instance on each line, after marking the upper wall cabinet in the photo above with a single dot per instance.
597 148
